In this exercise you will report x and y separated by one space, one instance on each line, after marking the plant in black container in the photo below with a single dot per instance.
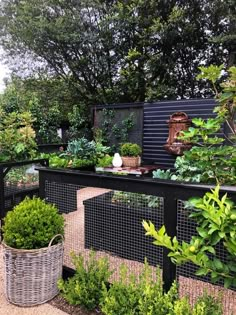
113 223
33 252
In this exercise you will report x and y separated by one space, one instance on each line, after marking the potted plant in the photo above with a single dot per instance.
130 153
33 252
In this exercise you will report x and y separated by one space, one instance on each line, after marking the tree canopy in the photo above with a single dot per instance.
116 51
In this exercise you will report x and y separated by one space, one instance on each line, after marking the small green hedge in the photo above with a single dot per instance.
32 224
130 149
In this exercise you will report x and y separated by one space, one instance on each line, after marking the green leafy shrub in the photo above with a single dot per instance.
207 305
216 218
101 150
105 161
162 174
47 120
81 148
79 122
32 224
81 163
130 149
17 137
210 160
132 294
85 287
62 161
121 298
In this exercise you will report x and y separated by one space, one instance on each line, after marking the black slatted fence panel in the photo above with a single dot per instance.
155 127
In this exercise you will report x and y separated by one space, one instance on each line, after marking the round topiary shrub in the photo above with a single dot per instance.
130 149
32 224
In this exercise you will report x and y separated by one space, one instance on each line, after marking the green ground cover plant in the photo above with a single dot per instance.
133 295
85 287
135 199
130 293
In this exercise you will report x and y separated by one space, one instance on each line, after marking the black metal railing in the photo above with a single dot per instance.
171 192
13 190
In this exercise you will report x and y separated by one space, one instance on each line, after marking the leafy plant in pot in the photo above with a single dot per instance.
130 154
33 252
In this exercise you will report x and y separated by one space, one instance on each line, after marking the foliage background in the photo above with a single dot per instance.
81 53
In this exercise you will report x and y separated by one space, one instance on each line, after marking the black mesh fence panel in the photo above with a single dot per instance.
108 222
191 284
64 196
19 182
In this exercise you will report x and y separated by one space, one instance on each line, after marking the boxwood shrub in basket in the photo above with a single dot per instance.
33 252
130 149
32 224
130 153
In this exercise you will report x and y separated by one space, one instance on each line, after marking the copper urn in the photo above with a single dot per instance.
178 122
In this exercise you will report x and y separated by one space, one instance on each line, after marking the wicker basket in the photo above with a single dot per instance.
31 275
131 161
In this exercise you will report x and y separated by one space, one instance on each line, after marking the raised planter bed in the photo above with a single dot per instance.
117 228
12 192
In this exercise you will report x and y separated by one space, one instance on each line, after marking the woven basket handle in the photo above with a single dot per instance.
54 237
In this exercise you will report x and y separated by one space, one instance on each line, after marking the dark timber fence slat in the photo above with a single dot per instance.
155 128
171 192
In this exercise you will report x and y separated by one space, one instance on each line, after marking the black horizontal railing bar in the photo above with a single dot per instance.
25 162
24 191
144 185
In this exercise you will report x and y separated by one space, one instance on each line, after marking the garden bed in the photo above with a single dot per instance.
116 227
60 303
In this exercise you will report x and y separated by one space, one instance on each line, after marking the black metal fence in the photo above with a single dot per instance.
101 222
18 180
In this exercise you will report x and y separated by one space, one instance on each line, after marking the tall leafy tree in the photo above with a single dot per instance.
113 51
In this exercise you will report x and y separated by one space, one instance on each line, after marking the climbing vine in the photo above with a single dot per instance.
113 132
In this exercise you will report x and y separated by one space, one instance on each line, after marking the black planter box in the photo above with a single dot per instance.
10 193
117 228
